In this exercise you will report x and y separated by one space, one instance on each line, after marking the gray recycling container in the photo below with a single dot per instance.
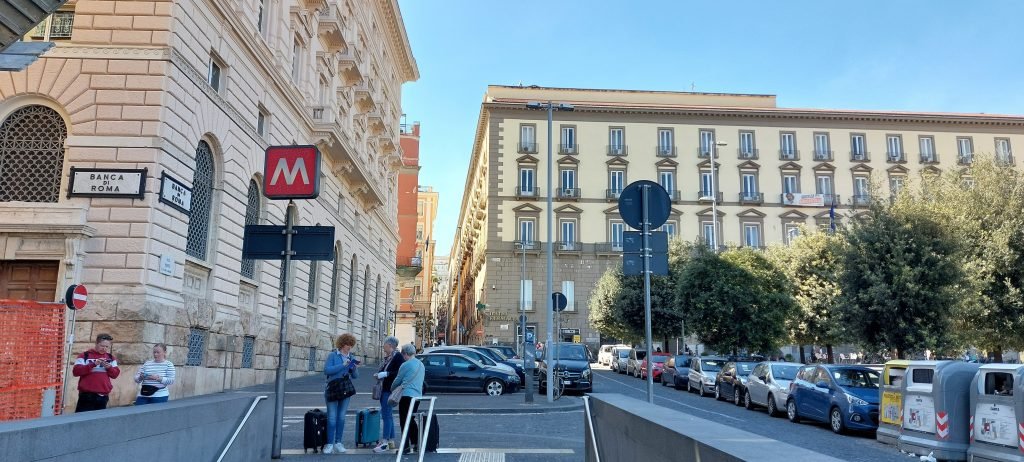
936 409
997 414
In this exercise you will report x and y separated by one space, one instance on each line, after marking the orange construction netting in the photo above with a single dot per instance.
32 362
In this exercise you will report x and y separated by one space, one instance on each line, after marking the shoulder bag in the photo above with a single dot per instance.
340 388
396 395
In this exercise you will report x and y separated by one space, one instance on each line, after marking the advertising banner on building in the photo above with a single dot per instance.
804 200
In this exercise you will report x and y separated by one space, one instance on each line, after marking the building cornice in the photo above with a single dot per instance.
399 39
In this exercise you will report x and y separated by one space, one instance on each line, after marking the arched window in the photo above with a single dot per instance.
198 241
252 217
352 287
376 303
335 278
387 310
32 155
366 293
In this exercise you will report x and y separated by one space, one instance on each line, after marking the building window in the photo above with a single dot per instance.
196 346
616 141
894 147
748 149
568 182
526 293
707 142
252 217
335 280
198 240
32 155
708 233
366 293
526 181
569 290
527 139
787 146
896 184
861 190
352 287
823 184
749 186
1003 152
311 366
296 60
666 142
790 184
752 235
615 233
248 345
667 180
670 228
261 17
616 182
706 185
261 122
314 276
213 74
57 26
568 234
858 147
792 232
526 235
822 147
927 144
568 141
965 150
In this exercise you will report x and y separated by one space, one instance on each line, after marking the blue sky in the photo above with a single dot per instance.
934 55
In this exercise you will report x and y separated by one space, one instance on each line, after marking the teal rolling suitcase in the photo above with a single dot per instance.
368 427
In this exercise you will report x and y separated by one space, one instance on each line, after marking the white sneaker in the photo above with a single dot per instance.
381 448
329 449
339 448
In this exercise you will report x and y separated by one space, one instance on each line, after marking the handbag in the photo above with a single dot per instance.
376 391
339 389
396 396
148 390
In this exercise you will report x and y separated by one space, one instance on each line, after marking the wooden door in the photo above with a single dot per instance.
29 280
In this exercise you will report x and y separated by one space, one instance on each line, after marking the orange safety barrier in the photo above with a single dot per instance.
32 359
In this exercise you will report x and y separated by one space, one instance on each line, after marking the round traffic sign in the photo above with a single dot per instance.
558 301
631 204
76 296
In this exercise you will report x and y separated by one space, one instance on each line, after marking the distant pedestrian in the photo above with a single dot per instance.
94 369
385 377
408 382
155 375
341 364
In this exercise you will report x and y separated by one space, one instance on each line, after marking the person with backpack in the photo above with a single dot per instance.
155 375
94 369
385 377
340 369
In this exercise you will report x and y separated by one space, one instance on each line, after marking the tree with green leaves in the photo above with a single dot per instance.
605 315
813 264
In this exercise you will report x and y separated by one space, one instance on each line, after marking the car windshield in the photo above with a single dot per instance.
570 352
711 365
660 359
497 354
855 378
785 372
682 361
475 355
623 353
745 368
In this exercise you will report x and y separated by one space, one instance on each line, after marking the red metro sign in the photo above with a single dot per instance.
291 172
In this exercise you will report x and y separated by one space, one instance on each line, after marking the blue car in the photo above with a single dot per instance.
845 397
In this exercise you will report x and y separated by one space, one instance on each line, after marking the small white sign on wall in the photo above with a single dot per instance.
175 194
167 265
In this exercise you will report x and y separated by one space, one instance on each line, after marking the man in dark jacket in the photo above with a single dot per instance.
94 369
385 377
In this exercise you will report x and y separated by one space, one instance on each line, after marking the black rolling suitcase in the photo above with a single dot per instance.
314 431
433 438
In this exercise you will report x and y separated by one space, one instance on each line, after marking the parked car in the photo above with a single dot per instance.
604 354
497 357
731 382
620 359
703 372
472 353
572 367
659 364
768 386
846 397
448 372
509 351
636 356
676 371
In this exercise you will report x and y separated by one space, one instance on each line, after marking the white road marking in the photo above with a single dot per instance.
675 401
503 451
482 457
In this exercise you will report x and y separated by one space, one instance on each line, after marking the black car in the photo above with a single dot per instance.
676 371
496 356
731 383
572 367
449 372
508 351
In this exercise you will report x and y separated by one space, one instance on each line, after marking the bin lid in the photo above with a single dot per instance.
897 364
1001 367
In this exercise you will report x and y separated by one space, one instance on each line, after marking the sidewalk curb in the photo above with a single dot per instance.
510 410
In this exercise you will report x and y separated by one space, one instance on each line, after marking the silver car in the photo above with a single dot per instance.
768 386
620 359
703 373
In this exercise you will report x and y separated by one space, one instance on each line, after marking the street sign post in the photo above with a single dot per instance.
75 298
645 205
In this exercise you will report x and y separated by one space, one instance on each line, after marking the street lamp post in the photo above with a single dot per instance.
528 396
551 107
714 196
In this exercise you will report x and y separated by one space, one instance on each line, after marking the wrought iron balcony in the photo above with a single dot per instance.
527 245
527 148
609 247
617 149
859 156
747 153
822 155
861 199
527 192
965 159
790 154
897 157
674 195
409 266
1004 158
830 199
568 149
666 151
708 196
929 158
704 153
568 193
572 246
749 197
612 194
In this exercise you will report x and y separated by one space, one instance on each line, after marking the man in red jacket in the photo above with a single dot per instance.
94 369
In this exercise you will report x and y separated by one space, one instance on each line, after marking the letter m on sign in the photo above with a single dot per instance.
292 172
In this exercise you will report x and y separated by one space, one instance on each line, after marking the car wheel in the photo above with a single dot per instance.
747 403
737 398
700 390
791 411
718 393
835 421
663 381
773 409
494 387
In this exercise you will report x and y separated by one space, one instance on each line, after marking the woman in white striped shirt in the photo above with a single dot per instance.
155 376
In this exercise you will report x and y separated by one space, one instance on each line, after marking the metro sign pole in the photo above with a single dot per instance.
290 172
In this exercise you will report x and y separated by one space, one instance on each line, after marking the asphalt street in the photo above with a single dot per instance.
816 437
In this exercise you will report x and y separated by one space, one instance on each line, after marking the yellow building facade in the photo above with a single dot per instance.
775 169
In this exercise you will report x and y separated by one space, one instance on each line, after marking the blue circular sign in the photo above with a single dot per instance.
631 204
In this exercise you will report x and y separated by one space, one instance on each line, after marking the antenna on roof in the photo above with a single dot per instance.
520 84
693 86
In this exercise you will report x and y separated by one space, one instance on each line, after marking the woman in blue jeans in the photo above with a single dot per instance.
340 363
386 376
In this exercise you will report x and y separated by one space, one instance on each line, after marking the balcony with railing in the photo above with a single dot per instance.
789 154
861 199
751 197
409 266
608 247
612 194
571 246
527 148
830 199
965 159
895 157
674 195
704 153
617 149
569 149
929 159
531 192
822 155
859 156
1004 158
569 193
528 246
708 196
747 153
666 151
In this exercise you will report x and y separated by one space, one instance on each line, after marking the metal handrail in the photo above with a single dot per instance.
590 421
421 449
240 425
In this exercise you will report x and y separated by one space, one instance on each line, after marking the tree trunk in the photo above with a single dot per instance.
803 358
898 354
997 354
831 357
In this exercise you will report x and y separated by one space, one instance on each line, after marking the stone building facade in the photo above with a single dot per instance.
195 92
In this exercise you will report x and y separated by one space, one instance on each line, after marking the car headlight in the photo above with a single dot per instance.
586 374
709 380
855 400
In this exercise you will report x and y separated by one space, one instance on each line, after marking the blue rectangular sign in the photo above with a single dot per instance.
267 242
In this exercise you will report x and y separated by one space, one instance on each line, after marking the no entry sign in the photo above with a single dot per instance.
76 296
292 172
